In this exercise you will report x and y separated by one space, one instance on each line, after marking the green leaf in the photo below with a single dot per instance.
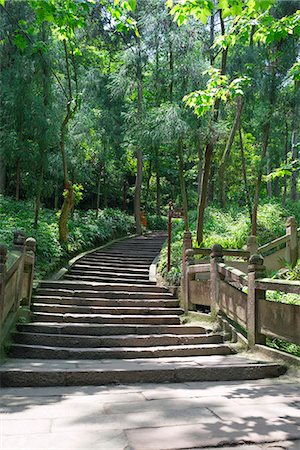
2 2
132 4
20 41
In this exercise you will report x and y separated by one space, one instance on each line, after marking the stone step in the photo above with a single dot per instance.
106 302
106 318
47 373
48 352
107 279
105 294
111 265
56 308
98 286
108 330
91 271
63 340
108 257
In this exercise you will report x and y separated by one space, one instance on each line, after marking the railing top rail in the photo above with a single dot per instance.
270 284
226 252
273 244
199 268
233 273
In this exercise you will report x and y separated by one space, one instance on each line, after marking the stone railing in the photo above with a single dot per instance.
280 250
240 296
16 280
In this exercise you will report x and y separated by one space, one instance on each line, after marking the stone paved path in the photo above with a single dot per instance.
260 415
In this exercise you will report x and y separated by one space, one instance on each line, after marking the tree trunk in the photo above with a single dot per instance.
125 186
295 141
2 175
68 203
66 210
158 188
286 150
38 198
269 170
247 191
209 150
139 152
259 176
200 168
98 192
18 179
149 175
138 191
182 185
266 134
227 151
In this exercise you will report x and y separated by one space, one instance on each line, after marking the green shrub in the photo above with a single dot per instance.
229 228
157 222
85 231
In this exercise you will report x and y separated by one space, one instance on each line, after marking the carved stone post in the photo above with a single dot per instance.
256 270
186 244
252 245
19 245
19 240
189 260
292 242
30 247
3 259
216 257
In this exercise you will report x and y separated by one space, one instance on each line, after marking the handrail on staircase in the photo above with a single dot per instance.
241 296
16 280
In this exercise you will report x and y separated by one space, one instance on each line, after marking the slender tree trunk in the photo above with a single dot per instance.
125 186
227 151
98 191
149 175
105 197
138 191
209 150
182 185
286 150
69 197
38 198
158 188
247 191
139 152
295 140
269 170
200 168
259 176
2 175
18 179
42 143
266 134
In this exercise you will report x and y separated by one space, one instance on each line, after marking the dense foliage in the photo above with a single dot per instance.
229 228
86 231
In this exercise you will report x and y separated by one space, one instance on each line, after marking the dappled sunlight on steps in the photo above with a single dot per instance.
106 322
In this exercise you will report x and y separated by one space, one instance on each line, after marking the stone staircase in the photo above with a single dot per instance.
105 322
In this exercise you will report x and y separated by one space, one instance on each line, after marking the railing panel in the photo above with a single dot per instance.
276 260
10 294
199 292
273 244
233 302
279 320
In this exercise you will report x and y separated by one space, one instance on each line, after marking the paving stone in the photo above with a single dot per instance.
16 427
211 435
96 440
